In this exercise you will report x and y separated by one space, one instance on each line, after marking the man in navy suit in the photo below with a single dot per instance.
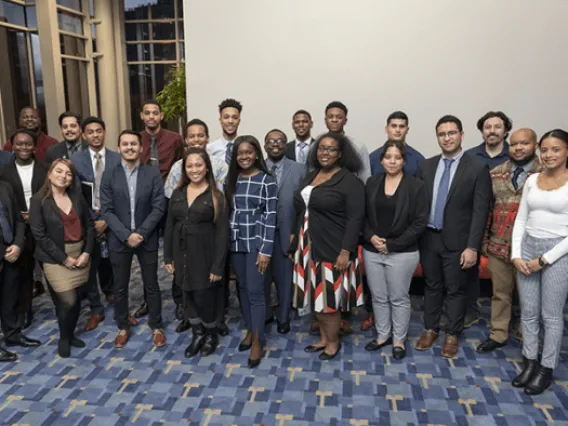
288 176
132 199
91 163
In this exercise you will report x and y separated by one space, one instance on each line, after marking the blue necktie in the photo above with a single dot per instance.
516 175
442 197
7 234
229 152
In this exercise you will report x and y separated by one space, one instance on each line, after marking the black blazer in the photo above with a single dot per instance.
47 227
12 213
410 216
60 151
291 149
467 206
9 173
337 212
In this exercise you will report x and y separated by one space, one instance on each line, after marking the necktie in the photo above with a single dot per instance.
7 234
99 170
72 148
302 153
154 151
516 175
229 152
442 197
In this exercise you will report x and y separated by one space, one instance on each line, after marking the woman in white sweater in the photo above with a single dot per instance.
539 248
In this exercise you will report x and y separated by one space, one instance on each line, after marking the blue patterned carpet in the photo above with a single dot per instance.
140 385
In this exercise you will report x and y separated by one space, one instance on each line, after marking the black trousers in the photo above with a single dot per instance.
122 265
201 307
9 283
177 293
473 288
26 263
443 275
102 268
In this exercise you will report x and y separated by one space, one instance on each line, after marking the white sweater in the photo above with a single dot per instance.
542 214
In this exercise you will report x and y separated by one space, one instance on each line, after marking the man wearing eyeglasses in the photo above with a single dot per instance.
288 176
460 191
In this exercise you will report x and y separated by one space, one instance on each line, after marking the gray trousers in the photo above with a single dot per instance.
389 279
543 295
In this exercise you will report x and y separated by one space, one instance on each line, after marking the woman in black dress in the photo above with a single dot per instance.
195 246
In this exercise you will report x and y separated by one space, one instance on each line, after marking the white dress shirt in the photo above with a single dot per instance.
26 174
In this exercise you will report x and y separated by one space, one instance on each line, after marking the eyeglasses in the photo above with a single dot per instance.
451 134
275 142
329 149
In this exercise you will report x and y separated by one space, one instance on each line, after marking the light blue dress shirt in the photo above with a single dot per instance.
131 180
438 178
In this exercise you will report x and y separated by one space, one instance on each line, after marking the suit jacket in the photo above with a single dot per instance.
467 205
12 213
9 173
291 149
47 227
292 176
410 216
84 165
5 157
149 209
60 151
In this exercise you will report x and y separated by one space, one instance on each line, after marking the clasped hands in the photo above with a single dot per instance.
134 240
528 267
80 262
380 244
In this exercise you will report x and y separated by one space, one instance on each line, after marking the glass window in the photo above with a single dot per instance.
38 77
164 31
137 32
140 89
72 46
70 23
71 4
76 86
135 9
180 30
12 13
180 8
182 51
151 52
31 18
15 81
162 9
92 7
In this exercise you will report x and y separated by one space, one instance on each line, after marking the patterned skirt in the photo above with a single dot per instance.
318 286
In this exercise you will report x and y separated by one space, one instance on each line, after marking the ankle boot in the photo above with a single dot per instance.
528 371
196 342
64 348
211 343
540 381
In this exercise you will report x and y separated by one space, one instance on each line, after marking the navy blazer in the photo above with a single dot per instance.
115 206
292 176
60 151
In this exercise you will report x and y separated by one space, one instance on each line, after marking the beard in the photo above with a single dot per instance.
524 161
276 159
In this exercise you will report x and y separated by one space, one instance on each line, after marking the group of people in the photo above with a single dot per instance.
330 225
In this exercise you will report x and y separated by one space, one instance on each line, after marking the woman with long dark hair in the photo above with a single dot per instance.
195 247
62 227
330 208
539 253
252 196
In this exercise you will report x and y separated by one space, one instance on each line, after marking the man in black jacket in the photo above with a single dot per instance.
70 124
12 229
459 190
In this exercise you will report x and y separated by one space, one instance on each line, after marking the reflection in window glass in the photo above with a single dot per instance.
76 87
134 10
182 51
180 8
137 32
163 10
70 23
72 46
180 30
71 4
31 19
12 13
140 90
38 77
151 52
164 31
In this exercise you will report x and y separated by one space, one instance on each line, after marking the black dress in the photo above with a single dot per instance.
194 241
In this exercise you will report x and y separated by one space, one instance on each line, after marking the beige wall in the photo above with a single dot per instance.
427 58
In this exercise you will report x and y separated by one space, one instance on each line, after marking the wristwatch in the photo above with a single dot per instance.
541 262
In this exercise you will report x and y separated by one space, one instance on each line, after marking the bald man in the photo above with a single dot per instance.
508 181
29 119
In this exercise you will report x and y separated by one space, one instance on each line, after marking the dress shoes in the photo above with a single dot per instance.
6 356
245 346
253 363
196 343
23 341
313 348
158 337
178 312
530 367
373 345
428 338
142 311
209 345
269 320
324 356
121 338
398 353
77 343
94 322
283 328
450 346
64 348
223 329
490 345
183 326
540 381
132 321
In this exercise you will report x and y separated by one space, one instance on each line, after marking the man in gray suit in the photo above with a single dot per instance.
288 176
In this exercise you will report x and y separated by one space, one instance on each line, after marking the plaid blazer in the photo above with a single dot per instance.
497 240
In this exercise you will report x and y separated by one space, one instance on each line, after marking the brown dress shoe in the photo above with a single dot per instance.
450 347
94 322
158 337
428 338
121 338
132 321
